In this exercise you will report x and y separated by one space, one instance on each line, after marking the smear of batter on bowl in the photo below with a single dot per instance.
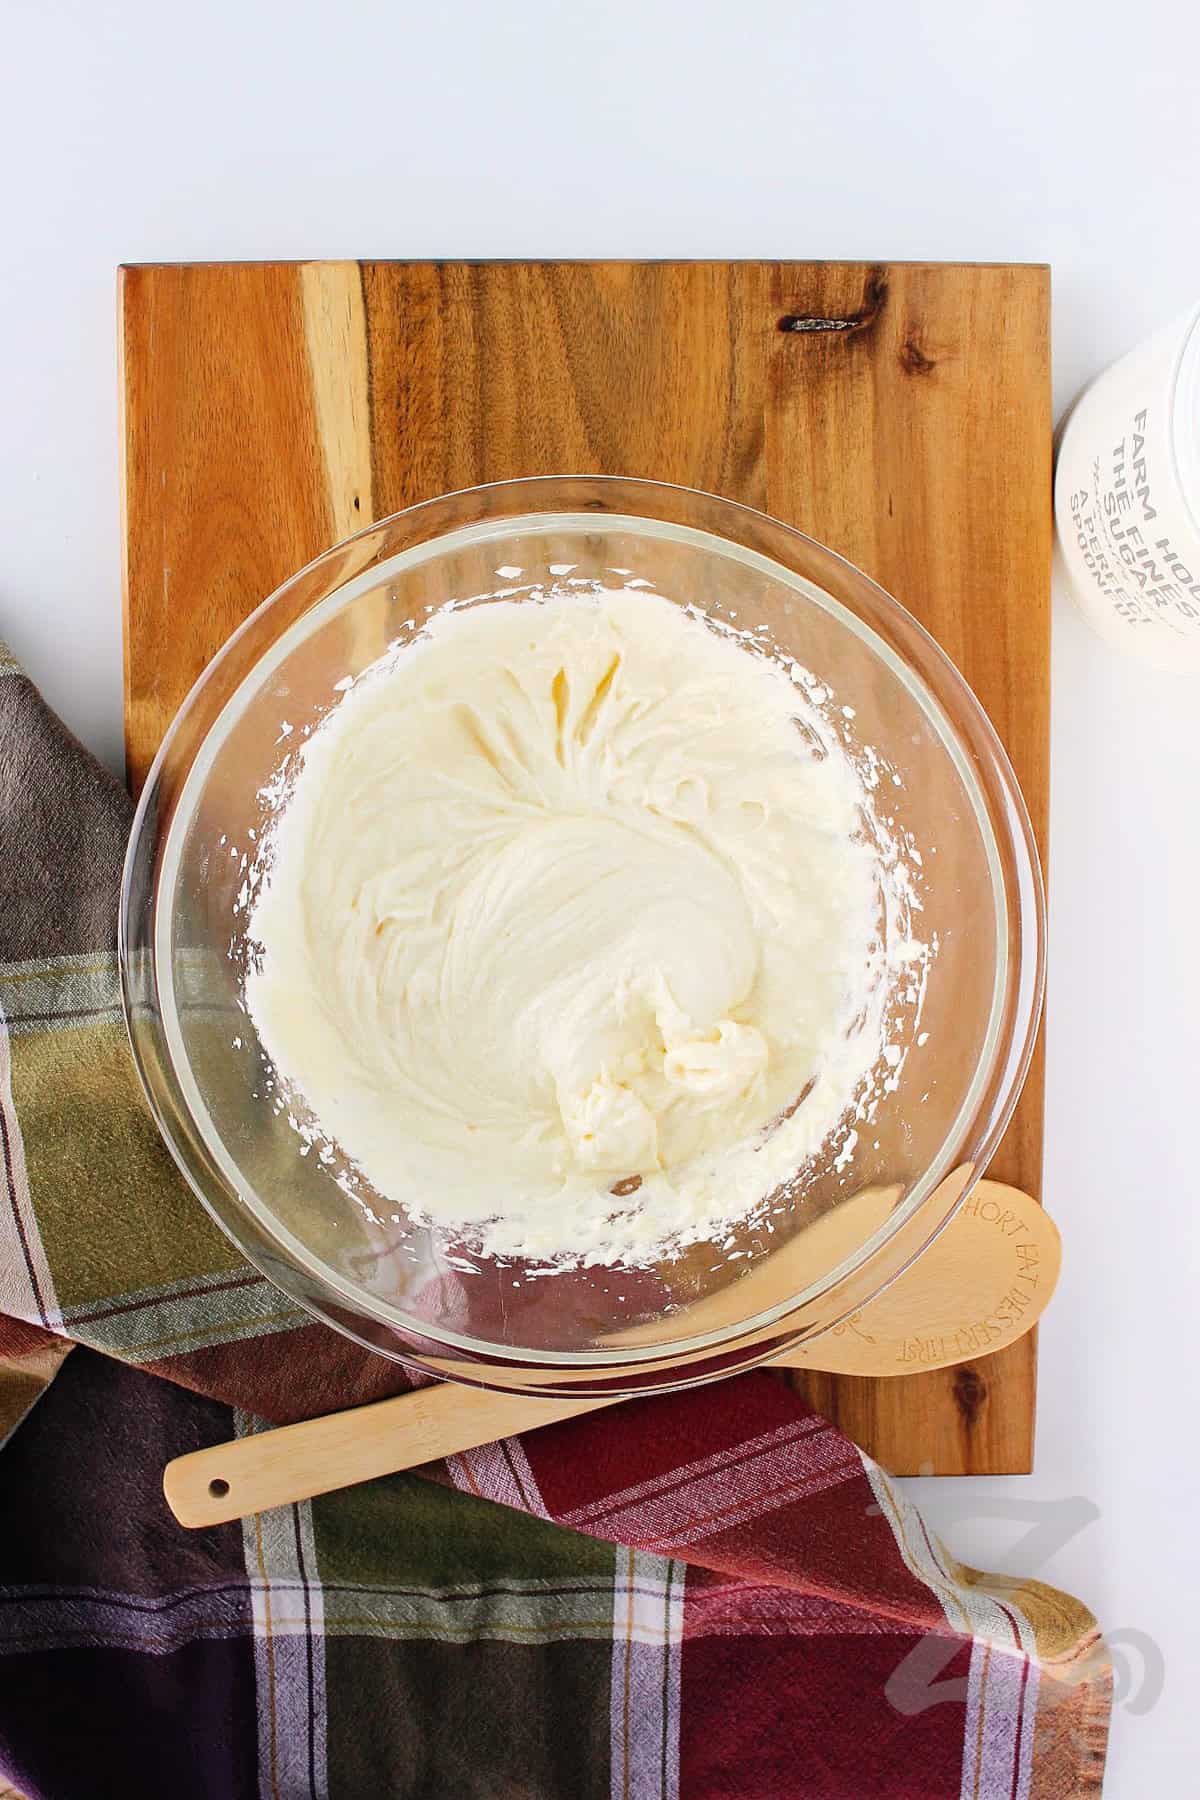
562 916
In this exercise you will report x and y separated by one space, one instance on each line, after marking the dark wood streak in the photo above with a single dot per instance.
874 299
970 1394
913 359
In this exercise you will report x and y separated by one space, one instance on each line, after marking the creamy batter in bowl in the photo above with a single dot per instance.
581 931
568 902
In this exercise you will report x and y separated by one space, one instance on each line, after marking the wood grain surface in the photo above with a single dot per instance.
898 412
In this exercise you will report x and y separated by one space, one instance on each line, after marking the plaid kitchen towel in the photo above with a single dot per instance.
705 1596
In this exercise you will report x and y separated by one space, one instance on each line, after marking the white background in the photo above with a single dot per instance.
997 130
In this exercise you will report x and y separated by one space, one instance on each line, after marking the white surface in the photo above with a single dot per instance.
998 130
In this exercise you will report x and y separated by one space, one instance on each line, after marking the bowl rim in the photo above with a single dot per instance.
1020 958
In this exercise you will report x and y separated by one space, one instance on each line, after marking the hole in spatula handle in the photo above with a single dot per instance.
218 1488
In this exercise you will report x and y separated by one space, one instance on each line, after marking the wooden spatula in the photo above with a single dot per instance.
984 1283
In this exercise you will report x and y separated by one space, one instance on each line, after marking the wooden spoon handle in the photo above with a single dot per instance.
981 1285
296 1462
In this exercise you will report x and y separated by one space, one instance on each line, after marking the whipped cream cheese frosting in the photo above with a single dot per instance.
563 914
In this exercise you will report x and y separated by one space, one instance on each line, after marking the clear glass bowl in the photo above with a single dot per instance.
853 1225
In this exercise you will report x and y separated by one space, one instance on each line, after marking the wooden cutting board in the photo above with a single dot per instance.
898 412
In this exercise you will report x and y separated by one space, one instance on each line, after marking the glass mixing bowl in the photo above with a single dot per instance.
850 1223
